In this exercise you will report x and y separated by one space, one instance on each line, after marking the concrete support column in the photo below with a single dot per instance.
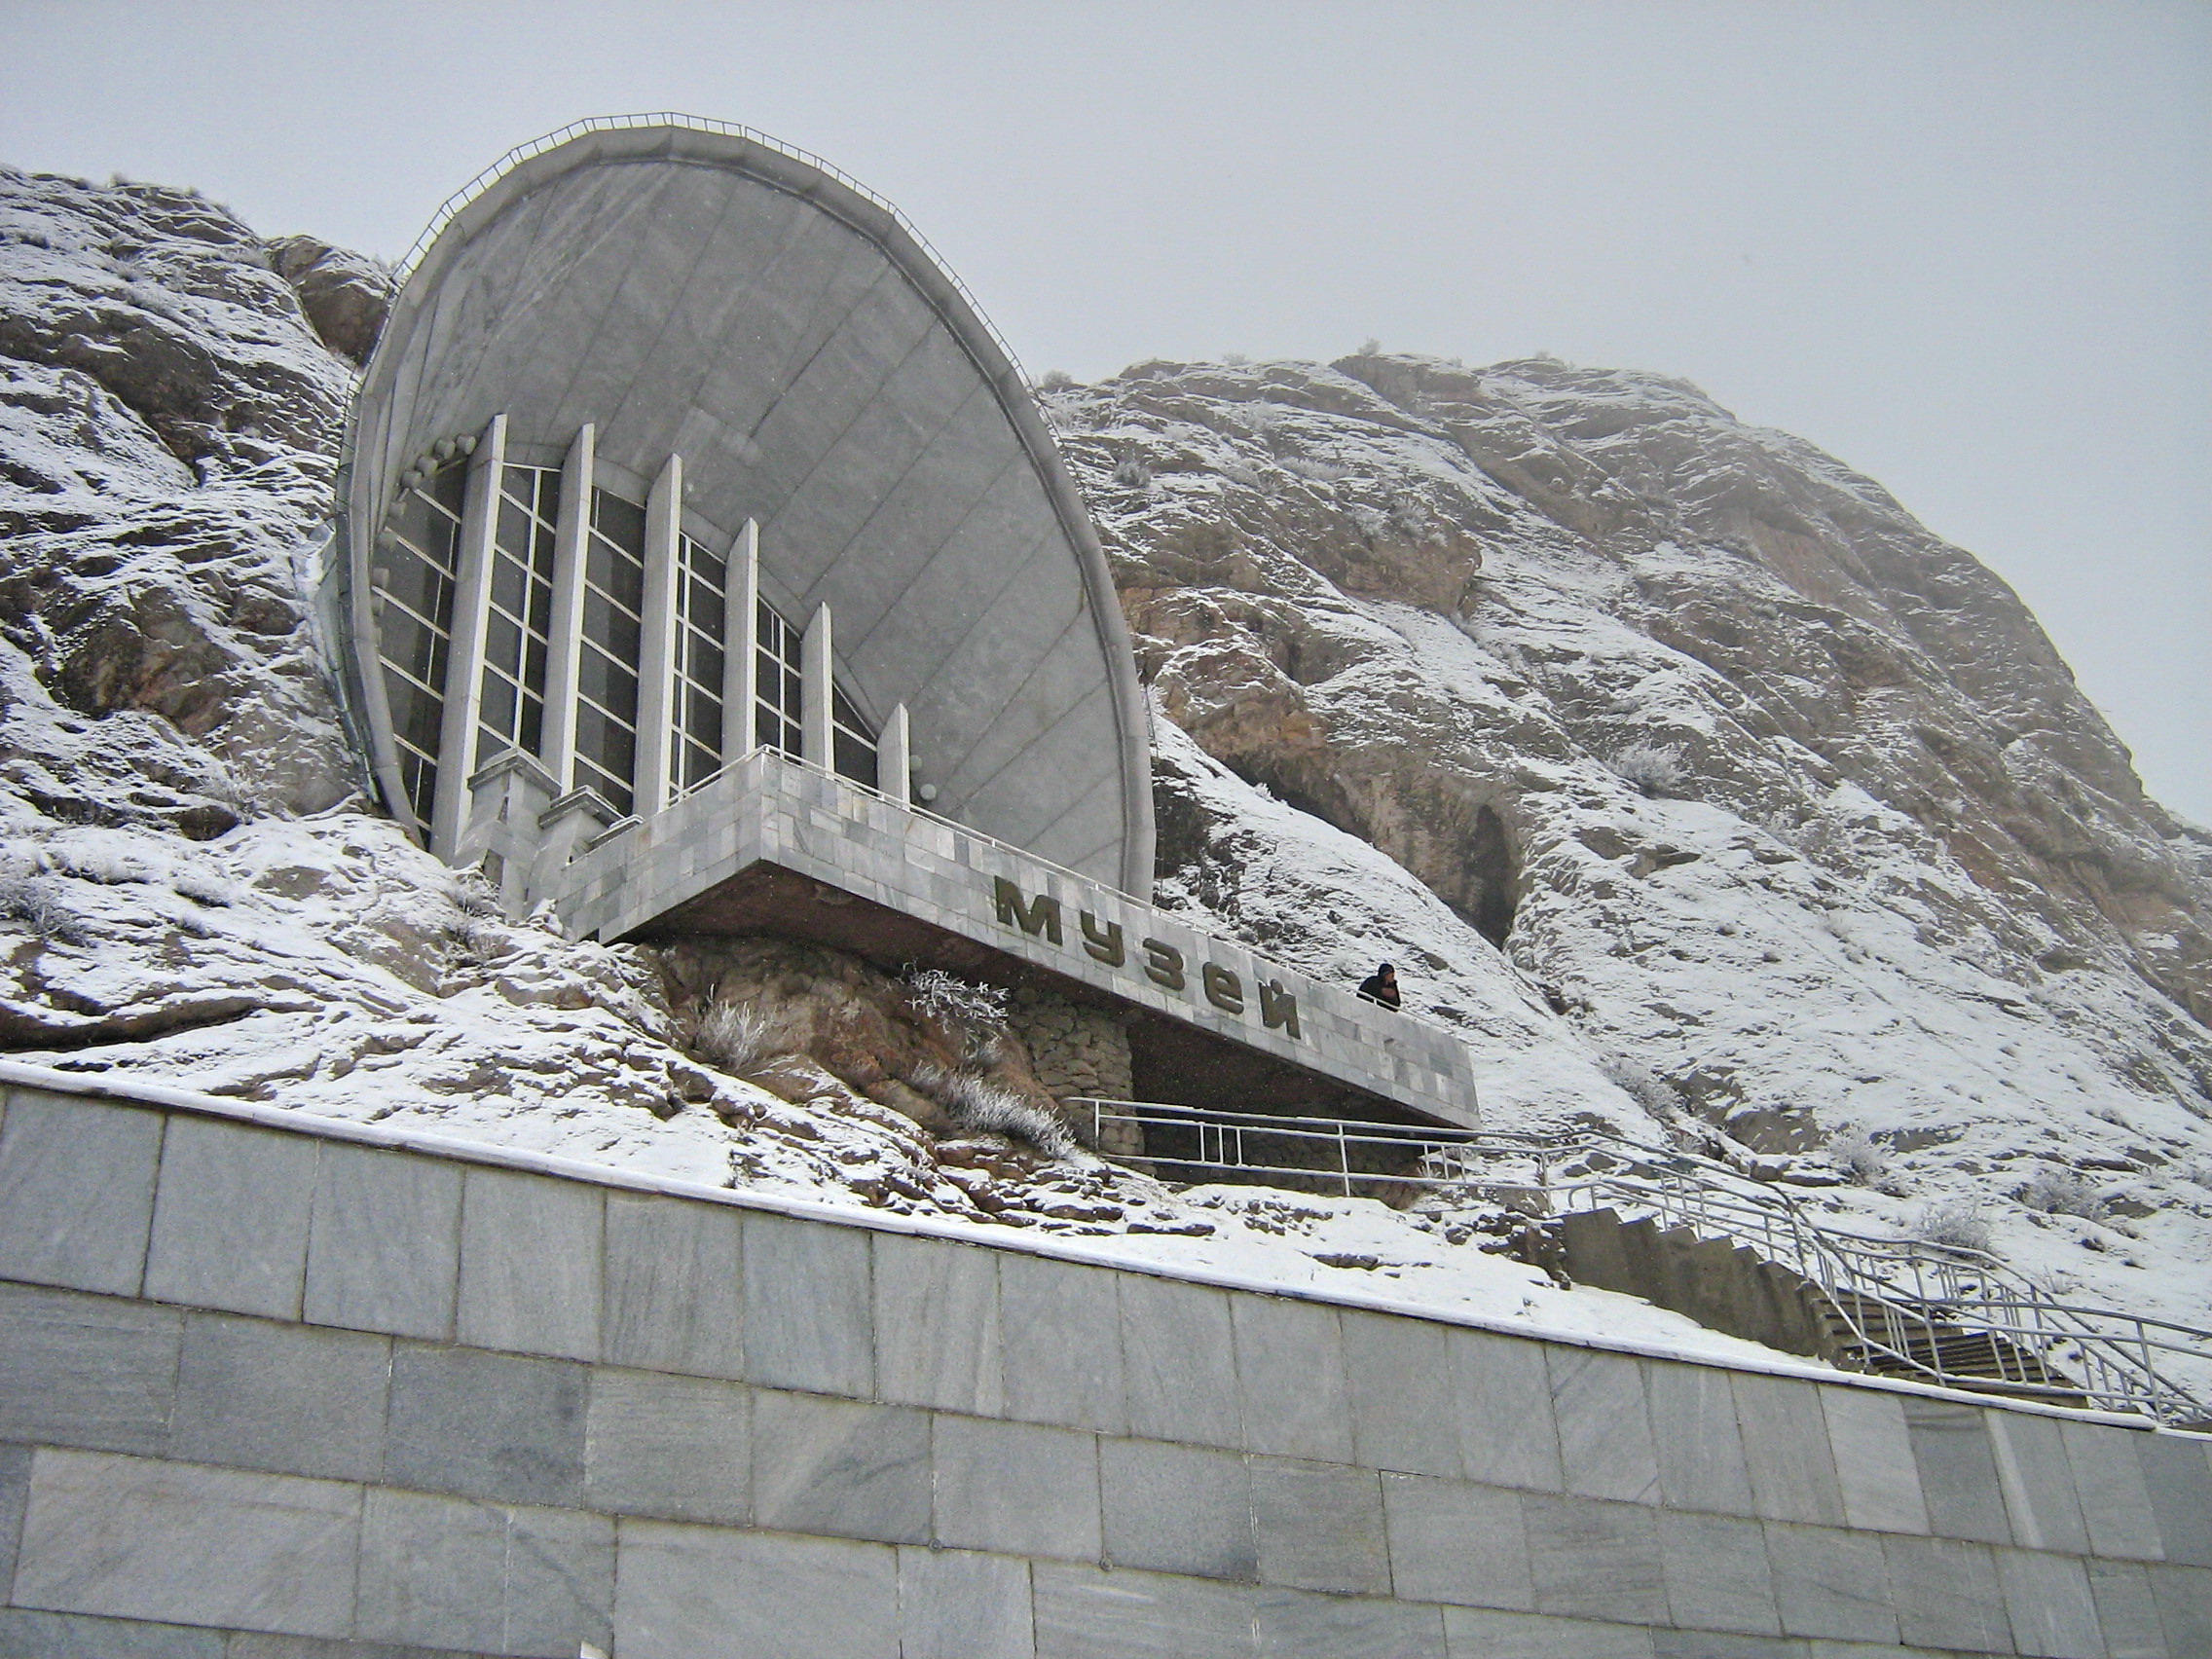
816 655
464 651
564 629
501 836
741 630
893 759
656 648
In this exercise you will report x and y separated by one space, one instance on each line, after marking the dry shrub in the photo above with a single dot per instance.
989 1108
737 1037
41 904
1654 768
1955 1227
1858 1157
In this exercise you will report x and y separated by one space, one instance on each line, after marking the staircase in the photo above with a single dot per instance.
1914 1341
1736 1254
1728 1287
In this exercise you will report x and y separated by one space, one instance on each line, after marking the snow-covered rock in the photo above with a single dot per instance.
1706 795
1696 760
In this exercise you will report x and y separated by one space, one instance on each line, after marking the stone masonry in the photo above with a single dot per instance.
278 1389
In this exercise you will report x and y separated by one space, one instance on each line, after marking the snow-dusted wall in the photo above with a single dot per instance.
262 1377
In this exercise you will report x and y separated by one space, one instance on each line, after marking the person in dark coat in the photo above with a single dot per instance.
1382 986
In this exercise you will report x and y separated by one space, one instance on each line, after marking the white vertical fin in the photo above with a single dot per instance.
565 628
656 650
893 759
741 627
464 652
816 654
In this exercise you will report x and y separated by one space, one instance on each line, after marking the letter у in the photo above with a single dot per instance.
1164 965
1103 946
1277 1007
1224 989
1040 915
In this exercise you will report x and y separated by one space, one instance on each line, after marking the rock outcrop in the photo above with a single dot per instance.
1700 788
1699 762
345 295
168 430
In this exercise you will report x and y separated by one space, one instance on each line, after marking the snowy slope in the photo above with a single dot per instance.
1699 677
1359 640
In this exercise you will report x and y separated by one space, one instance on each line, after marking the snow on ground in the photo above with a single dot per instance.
187 895
1736 943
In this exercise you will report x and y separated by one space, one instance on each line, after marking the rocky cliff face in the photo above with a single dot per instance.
1674 765
168 426
1694 758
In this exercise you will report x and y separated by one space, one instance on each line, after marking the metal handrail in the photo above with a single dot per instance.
1900 1298
459 199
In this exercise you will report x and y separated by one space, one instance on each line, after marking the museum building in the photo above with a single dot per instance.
706 565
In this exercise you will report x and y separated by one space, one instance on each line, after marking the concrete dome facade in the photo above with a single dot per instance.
760 371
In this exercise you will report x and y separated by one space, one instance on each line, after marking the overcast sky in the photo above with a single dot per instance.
1966 248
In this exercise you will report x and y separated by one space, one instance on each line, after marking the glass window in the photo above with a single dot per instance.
776 683
852 743
514 633
503 642
777 703
412 576
696 744
606 689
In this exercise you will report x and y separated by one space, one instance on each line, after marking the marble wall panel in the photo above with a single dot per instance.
131 1537
674 1293
76 1191
384 1243
231 1218
1179 1362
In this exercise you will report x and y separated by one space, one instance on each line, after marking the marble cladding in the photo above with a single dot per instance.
766 809
577 1414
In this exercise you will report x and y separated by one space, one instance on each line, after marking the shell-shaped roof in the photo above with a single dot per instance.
709 293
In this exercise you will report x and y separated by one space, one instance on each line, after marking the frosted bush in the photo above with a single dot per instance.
1858 1157
1642 1084
479 942
1654 768
1131 473
474 895
1954 1227
103 861
2062 1192
204 889
940 996
987 1108
1313 470
41 904
1055 379
734 1036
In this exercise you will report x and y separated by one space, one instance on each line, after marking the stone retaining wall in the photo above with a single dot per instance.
279 1392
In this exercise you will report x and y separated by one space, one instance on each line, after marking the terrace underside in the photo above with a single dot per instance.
1171 1061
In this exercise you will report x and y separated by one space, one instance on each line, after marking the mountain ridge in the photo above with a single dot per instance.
1702 790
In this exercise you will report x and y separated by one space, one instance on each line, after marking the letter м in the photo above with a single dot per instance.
1041 915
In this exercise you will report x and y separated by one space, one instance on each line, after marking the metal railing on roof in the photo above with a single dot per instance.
1900 1299
453 204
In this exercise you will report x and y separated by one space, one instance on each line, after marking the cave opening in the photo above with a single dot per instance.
1494 875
